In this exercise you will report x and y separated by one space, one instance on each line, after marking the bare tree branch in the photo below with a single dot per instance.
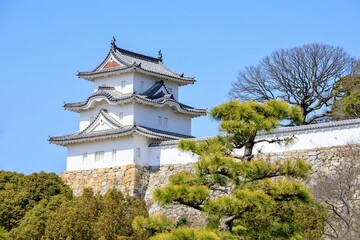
305 76
340 190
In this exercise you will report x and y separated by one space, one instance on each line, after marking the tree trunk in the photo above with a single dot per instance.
248 150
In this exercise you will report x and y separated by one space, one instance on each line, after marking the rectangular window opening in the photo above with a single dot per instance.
160 121
114 155
122 85
138 153
84 158
141 86
99 156
165 122
121 117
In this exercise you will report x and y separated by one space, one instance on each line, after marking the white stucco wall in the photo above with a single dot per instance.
115 81
142 143
113 110
337 136
170 155
148 116
124 154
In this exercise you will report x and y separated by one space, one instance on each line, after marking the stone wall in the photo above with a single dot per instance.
141 182
122 178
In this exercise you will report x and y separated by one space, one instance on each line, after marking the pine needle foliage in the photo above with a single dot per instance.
242 121
244 199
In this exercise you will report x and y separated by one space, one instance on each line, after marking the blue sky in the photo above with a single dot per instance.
44 43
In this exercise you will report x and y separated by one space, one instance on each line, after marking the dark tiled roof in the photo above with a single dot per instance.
151 96
175 142
153 92
113 133
138 62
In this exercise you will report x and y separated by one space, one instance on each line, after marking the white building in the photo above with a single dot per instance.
134 117
134 104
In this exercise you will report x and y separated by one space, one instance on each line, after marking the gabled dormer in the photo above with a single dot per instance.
103 121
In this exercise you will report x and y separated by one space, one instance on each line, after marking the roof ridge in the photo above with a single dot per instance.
315 126
141 56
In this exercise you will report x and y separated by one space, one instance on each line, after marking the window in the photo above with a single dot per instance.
159 121
122 85
165 122
114 155
84 158
141 86
99 156
138 153
121 117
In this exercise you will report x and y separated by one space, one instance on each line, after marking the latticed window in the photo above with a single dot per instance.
165 122
99 156
122 85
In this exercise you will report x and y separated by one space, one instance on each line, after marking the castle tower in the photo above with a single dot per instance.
134 104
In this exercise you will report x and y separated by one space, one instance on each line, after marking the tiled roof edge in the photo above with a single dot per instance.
311 127
282 130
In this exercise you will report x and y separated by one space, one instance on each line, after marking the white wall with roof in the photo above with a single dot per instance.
306 137
124 154
149 116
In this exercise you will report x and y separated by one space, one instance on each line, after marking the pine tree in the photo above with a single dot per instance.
243 199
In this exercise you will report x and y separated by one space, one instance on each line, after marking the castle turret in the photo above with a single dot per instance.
134 104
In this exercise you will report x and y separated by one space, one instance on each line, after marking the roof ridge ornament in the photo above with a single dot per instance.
113 41
160 56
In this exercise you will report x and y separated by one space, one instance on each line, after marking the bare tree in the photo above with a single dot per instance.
340 191
304 76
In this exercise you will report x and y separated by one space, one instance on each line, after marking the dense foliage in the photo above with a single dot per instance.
20 193
348 104
40 206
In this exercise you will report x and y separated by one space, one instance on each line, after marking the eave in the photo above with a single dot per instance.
80 137
93 75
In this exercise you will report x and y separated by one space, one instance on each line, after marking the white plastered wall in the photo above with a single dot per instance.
124 154
115 81
113 110
318 138
148 116
142 143
170 155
